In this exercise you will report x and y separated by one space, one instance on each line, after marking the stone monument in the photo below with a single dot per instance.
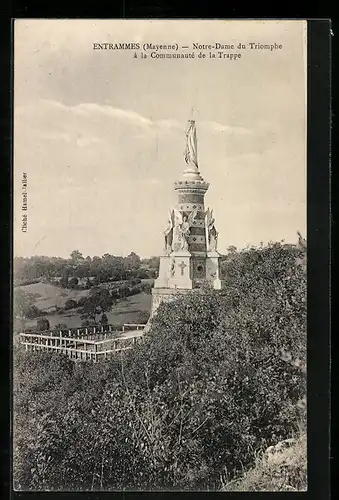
190 257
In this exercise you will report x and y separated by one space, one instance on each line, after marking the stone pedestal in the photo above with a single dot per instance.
183 271
180 271
164 272
213 270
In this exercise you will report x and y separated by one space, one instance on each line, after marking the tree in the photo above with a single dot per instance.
23 306
104 319
132 261
82 270
76 258
64 278
95 266
232 249
70 304
219 362
33 312
152 262
98 301
43 324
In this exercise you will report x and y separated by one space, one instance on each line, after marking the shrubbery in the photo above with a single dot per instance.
71 304
215 381
42 324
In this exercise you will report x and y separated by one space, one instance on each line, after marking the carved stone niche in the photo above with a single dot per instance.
199 269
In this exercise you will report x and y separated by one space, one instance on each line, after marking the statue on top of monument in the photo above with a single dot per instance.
212 233
191 153
182 227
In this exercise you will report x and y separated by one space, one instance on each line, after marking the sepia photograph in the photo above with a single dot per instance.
160 255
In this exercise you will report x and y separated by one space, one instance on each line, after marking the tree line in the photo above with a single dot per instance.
78 269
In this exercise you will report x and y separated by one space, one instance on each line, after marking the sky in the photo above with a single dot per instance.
101 134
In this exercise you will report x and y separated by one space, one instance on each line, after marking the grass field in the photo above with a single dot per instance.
48 296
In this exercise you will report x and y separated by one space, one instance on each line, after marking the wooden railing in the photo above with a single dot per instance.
83 332
132 326
80 345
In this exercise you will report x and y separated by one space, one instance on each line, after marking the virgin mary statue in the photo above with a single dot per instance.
191 154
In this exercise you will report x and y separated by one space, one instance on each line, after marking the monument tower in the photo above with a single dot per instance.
190 255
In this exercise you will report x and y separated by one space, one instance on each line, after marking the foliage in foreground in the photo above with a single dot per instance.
217 379
280 471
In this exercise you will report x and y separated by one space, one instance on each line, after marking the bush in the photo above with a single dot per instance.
73 283
70 304
134 281
42 324
134 290
89 322
89 283
147 288
115 294
144 274
281 471
142 317
33 312
81 301
60 326
214 382
104 319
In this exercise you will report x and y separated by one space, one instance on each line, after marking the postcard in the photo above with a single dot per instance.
160 255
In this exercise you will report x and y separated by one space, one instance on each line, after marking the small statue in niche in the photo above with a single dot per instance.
173 268
169 232
212 233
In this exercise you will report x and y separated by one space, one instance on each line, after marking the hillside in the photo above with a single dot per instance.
128 310
48 296
208 399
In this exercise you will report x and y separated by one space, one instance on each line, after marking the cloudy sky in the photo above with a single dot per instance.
101 134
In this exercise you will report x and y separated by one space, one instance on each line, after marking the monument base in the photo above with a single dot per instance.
213 270
181 272
164 272
160 295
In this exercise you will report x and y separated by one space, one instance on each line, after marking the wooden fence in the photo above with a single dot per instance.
80 344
